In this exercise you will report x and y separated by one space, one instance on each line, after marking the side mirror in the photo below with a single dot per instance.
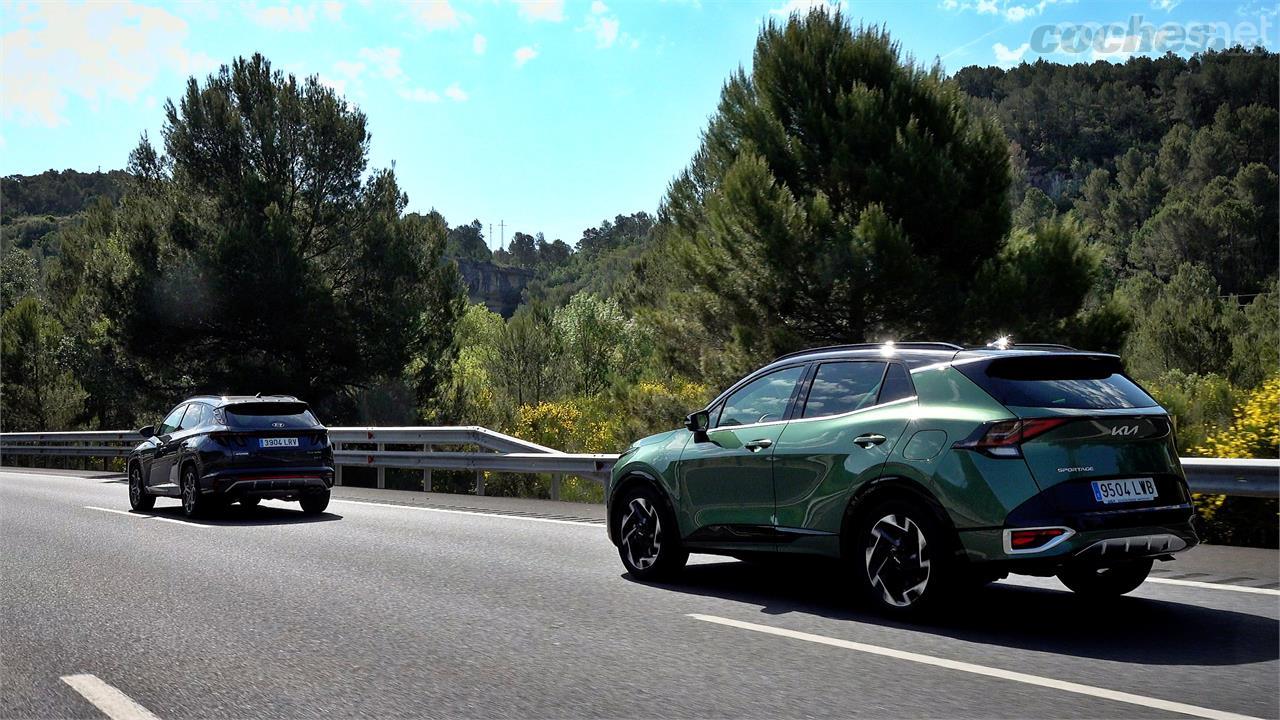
147 431
698 422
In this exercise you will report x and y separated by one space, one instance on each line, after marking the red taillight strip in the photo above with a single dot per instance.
1003 438
1035 539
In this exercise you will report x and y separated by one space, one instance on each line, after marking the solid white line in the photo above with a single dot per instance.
118 512
1124 697
113 703
143 516
472 512
1214 586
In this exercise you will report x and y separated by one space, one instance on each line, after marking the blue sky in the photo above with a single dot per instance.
547 115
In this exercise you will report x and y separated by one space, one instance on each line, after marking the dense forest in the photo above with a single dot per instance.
1125 207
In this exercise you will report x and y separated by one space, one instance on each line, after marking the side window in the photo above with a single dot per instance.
897 384
170 423
197 415
762 400
842 387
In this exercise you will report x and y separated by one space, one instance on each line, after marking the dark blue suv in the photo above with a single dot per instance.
214 450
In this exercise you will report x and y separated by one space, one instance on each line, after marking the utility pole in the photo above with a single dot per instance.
489 238
502 236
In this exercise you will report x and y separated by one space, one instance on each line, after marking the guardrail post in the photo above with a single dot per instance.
426 472
479 482
555 486
382 471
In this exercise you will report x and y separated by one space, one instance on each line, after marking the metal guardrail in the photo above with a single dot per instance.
416 448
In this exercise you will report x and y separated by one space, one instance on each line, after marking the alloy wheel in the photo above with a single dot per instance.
897 560
188 492
641 531
135 486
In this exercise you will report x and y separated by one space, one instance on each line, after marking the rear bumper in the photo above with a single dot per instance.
272 483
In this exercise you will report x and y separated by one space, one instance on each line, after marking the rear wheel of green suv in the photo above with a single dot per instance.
899 557
648 541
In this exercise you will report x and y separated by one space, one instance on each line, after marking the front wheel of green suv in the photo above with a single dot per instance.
899 557
1106 582
648 540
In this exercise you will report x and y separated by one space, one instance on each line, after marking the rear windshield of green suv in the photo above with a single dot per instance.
1049 381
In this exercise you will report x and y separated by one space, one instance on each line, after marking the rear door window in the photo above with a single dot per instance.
1056 381
841 387
197 416
897 384
270 416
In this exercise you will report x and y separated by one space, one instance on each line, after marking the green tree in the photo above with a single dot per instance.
841 193
38 394
265 256
598 342
467 241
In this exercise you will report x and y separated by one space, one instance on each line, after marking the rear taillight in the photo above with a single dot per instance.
1035 539
1003 439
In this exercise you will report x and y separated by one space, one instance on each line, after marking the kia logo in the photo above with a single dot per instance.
1125 430
280 424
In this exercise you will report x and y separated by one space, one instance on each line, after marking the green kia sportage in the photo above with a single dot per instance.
924 467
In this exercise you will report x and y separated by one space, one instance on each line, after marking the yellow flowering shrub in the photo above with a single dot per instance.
1255 432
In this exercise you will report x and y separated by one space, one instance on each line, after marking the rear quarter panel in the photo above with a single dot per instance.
976 491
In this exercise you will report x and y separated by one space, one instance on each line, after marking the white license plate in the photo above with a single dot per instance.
277 442
1122 491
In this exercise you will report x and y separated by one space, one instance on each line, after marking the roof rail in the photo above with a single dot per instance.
867 346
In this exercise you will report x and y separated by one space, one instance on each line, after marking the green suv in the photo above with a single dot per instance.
924 467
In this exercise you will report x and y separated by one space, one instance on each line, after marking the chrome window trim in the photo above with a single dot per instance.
899 401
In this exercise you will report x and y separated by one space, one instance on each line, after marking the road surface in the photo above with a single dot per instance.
480 607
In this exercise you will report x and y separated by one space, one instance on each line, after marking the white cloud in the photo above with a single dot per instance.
534 10
455 93
479 44
385 60
436 14
604 26
1011 10
419 95
94 51
803 7
283 17
1005 56
524 55
1165 5
332 10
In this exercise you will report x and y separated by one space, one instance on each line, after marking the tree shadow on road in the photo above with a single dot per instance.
238 515
1128 629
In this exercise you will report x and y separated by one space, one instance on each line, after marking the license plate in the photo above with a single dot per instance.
277 442
1122 491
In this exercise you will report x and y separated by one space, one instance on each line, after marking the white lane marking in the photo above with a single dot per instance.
113 703
473 512
1124 697
1214 586
118 512
144 516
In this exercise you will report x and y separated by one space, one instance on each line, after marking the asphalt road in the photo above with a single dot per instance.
389 610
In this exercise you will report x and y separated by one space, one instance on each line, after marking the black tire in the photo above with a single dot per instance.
194 504
249 501
901 557
314 503
1109 582
139 498
648 537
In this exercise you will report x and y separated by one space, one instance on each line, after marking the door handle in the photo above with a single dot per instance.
760 444
869 440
